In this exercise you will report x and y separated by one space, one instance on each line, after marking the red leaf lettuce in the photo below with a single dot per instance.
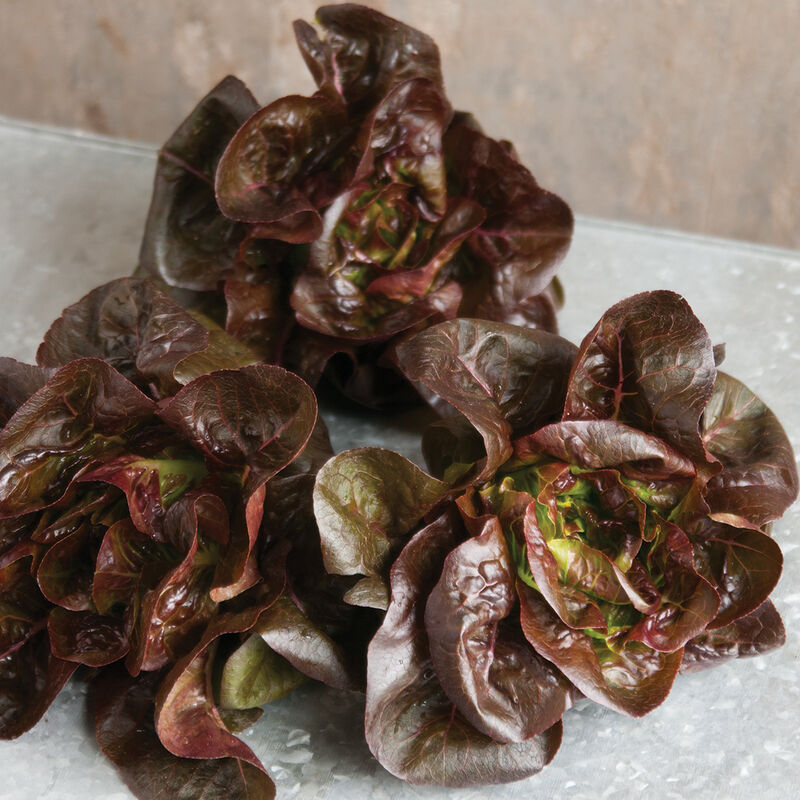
155 525
333 225
613 525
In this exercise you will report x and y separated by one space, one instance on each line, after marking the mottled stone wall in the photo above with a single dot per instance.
681 113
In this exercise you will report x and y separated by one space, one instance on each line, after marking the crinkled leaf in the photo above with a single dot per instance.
187 241
597 444
406 139
423 737
743 564
86 637
257 316
97 505
123 712
412 727
254 421
633 682
23 609
460 219
362 54
649 363
758 481
65 572
259 417
122 556
231 539
753 635
489 671
133 326
564 584
287 160
527 230
254 674
18 381
504 379
334 306
79 416
366 501
327 300
15 539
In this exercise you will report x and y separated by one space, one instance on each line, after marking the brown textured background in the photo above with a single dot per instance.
679 113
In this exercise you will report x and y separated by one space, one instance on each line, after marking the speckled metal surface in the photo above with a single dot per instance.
71 213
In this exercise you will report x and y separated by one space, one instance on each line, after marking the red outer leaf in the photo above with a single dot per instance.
494 677
412 727
504 379
259 417
634 682
23 609
758 481
236 569
288 631
30 679
276 167
15 540
256 421
256 316
743 564
187 241
649 363
365 502
86 637
753 635
130 324
18 382
597 444
123 712
536 311
527 229
187 719
364 54
97 505
139 479
65 425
